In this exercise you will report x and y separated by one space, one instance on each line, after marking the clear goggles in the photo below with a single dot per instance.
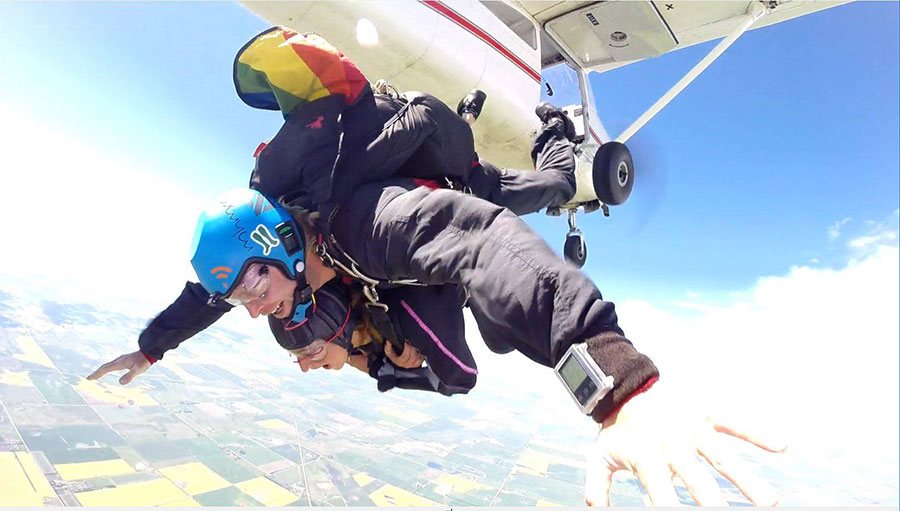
253 285
314 352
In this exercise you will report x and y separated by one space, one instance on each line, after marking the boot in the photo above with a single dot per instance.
472 103
550 115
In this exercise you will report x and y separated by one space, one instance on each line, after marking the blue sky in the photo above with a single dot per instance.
766 198
792 130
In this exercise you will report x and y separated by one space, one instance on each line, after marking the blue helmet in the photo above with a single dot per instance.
245 227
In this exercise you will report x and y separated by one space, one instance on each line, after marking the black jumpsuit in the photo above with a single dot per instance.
522 295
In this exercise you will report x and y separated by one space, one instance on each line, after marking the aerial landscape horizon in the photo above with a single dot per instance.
757 265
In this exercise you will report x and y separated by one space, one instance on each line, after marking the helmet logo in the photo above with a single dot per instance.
222 272
264 238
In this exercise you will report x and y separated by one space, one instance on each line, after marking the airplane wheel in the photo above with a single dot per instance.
613 173
575 250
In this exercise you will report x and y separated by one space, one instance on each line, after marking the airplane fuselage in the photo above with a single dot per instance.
443 49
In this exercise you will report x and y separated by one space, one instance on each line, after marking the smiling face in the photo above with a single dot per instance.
264 291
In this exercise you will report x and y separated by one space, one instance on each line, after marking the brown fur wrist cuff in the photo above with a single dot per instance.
617 358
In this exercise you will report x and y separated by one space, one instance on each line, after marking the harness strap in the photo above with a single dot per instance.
382 322
328 249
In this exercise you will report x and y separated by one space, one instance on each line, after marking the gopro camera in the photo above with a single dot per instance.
583 378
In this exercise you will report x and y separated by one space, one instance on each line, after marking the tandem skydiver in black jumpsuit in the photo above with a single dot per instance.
369 204
374 208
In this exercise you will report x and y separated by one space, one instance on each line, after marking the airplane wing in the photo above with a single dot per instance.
449 47
602 36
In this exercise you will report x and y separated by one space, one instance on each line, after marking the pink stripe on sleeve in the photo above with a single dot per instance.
437 341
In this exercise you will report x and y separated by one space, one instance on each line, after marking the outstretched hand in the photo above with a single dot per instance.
136 363
411 358
650 437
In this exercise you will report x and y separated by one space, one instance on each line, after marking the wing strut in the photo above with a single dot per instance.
754 12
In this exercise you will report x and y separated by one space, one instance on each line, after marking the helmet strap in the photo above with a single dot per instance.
303 300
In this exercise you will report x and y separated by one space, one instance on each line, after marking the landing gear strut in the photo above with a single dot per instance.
612 173
575 249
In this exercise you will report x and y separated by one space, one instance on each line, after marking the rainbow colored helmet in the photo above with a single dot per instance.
241 228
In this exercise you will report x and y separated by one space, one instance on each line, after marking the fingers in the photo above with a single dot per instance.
720 457
597 484
135 363
657 480
127 377
114 365
410 358
414 356
699 482
769 444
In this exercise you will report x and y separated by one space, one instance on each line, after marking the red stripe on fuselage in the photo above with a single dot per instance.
594 135
475 30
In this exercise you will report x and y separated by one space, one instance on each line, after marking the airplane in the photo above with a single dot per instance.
448 48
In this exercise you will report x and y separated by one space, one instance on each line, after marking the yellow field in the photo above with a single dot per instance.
41 486
182 503
389 495
194 478
19 379
362 478
146 493
537 463
276 424
21 481
115 394
31 352
461 484
406 415
89 469
267 492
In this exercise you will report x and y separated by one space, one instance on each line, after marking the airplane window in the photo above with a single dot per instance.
520 25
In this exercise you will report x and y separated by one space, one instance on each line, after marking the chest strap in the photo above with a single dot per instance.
328 249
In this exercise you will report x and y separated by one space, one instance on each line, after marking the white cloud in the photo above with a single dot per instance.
85 215
835 230
879 233
810 357
871 239
815 352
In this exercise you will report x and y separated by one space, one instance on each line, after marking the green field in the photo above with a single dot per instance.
59 456
233 470
160 450
288 451
508 499
146 421
565 473
8 432
529 485
57 388
247 449
15 394
230 496
73 444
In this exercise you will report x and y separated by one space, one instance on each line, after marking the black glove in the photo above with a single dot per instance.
328 319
